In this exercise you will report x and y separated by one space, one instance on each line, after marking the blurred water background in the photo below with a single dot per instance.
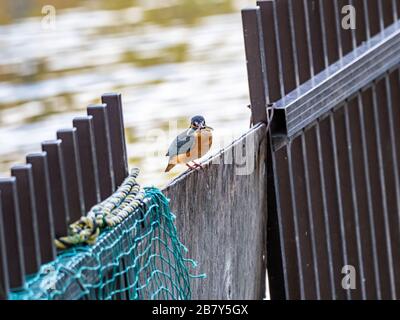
170 60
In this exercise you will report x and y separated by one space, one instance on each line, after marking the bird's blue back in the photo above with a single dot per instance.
182 143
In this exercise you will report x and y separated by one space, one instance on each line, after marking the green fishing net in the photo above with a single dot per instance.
140 258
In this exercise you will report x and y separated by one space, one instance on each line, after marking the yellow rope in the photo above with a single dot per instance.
108 213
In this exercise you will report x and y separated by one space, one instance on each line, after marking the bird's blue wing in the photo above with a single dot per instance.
182 144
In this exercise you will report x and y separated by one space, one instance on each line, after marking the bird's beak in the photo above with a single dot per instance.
208 127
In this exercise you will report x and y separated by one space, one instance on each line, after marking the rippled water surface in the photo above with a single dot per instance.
169 59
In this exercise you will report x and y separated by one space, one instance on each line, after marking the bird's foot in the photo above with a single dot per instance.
190 167
197 165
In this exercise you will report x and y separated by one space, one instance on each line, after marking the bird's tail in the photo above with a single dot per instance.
169 167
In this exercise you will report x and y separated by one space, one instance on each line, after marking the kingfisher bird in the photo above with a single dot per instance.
191 144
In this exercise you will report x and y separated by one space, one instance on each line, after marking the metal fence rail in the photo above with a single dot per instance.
334 144
55 187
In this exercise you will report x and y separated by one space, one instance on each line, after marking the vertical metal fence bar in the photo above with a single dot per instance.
270 50
73 178
275 268
314 15
59 197
391 165
87 155
398 10
376 188
311 216
295 221
286 228
303 225
309 39
353 31
369 120
396 111
356 213
367 20
329 36
394 102
363 201
375 24
347 207
285 45
4 281
338 20
395 7
383 190
387 150
256 69
12 232
381 15
339 197
278 49
395 116
327 172
388 12
293 43
103 149
40 172
302 42
361 25
325 211
117 136
28 217
345 36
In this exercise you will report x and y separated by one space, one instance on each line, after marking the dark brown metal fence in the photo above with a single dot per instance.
334 144
56 187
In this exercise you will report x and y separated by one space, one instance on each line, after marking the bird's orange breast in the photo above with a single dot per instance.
202 144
